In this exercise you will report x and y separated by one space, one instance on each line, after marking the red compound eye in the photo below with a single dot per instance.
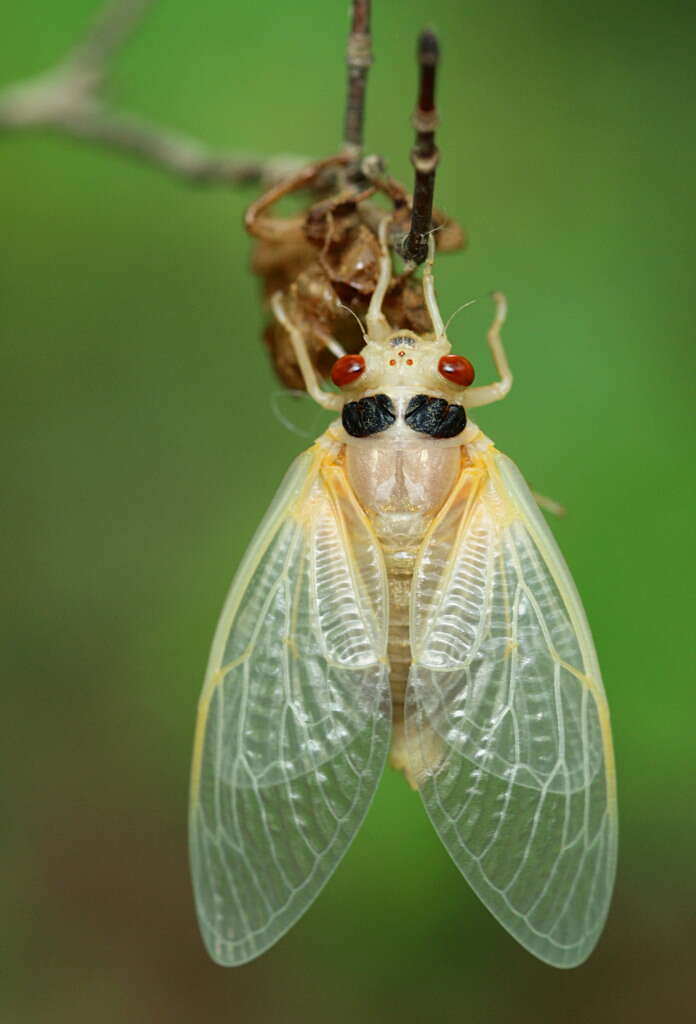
347 369
457 370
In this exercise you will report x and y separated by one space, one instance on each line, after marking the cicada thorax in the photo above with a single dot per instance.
401 488
424 414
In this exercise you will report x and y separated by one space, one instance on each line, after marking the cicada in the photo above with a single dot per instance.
403 598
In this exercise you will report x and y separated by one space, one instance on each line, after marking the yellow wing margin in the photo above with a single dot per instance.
506 716
294 718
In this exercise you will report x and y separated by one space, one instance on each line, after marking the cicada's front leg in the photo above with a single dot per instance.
499 389
299 347
378 328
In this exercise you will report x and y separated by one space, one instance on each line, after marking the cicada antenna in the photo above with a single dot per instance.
425 154
359 59
359 321
464 305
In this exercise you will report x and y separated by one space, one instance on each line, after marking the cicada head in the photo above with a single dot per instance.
403 360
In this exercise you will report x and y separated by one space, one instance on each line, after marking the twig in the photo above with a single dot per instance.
425 154
109 30
359 59
66 100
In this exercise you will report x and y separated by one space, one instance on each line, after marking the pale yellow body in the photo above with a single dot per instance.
404 596
402 482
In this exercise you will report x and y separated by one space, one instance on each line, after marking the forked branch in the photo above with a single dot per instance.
68 100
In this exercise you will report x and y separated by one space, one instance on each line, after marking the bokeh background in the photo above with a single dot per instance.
141 447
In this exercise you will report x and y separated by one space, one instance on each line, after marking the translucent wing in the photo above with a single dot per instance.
294 718
506 717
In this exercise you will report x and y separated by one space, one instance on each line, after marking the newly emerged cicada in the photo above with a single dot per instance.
404 598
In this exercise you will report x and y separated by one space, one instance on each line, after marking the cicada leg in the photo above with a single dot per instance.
299 347
429 292
549 505
499 389
261 224
330 343
377 324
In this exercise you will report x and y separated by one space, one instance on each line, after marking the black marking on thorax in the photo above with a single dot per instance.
368 416
435 416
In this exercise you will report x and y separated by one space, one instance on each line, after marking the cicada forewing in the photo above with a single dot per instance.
506 718
295 716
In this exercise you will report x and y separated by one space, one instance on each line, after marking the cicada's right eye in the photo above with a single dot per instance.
347 369
457 370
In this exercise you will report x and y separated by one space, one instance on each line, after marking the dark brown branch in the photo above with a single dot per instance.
425 154
359 59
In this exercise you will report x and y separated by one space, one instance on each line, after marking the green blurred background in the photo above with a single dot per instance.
141 449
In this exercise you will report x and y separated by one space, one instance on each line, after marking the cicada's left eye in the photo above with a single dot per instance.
347 369
457 370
